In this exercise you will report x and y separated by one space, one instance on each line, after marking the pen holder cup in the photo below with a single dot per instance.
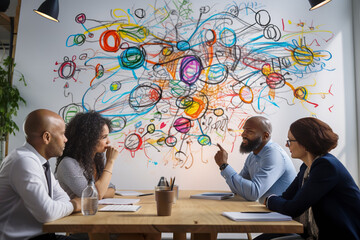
161 188
176 194
175 189
164 200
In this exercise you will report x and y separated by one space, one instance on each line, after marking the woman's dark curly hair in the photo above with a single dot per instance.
316 136
83 133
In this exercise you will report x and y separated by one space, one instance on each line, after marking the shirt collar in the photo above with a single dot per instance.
33 150
262 150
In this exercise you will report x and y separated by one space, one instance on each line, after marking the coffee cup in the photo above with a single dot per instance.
164 201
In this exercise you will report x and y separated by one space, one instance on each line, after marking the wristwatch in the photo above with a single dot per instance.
223 166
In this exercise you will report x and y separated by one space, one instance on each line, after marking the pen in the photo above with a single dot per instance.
172 184
145 194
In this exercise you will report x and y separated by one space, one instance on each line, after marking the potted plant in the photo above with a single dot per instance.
9 103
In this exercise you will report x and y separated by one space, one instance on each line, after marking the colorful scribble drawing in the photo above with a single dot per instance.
175 80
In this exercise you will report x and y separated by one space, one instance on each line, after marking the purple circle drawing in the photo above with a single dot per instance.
190 69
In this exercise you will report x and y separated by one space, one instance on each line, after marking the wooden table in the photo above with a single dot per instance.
200 217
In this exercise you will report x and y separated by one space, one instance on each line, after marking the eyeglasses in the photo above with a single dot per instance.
289 141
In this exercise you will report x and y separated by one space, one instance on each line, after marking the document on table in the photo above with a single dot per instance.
128 193
120 208
257 216
118 201
213 195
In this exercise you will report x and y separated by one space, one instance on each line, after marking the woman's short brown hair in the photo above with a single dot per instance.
316 136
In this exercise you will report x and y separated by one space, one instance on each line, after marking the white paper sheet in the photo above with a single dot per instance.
128 193
118 201
256 216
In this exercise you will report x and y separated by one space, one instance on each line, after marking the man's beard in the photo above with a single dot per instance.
251 145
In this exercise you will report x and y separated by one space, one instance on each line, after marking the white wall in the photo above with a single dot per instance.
356 30
41 44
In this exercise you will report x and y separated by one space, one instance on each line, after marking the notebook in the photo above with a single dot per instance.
256 216
213 195
120 208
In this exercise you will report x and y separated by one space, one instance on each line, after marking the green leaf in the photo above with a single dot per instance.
9 97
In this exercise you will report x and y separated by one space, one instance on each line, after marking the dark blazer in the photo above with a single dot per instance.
333 195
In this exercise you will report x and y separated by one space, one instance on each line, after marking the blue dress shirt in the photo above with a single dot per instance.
269 172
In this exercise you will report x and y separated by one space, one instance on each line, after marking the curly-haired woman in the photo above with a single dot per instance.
83 157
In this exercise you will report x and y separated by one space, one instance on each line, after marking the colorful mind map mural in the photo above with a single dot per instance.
174 79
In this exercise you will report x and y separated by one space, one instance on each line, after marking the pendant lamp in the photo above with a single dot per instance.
49 9
317 3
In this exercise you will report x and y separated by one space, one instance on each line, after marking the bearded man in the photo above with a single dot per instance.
267 170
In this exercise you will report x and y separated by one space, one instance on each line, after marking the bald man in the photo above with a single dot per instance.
267 169
27 200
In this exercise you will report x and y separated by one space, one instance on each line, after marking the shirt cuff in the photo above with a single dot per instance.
228 172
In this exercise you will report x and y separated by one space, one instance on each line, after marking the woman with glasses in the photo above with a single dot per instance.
323 196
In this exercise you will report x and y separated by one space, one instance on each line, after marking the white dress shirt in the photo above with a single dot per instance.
25 203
